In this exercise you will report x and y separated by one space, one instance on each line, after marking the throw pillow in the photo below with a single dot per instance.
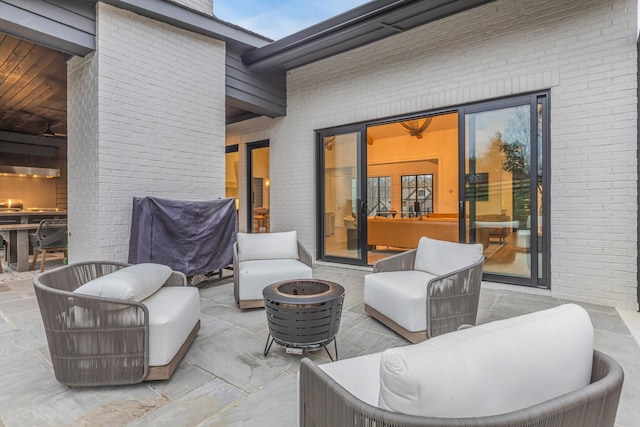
133 283
491 369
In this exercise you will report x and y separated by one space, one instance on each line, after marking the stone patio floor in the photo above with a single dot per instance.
224 380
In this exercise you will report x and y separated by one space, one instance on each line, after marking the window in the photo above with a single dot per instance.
417 194
378 195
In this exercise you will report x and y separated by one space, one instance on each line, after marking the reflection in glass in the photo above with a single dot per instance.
498 190
341 195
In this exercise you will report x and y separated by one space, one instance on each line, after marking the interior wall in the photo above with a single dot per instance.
405 155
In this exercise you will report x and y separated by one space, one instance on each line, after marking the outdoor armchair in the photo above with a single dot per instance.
109 323
536 370
264 258
428 291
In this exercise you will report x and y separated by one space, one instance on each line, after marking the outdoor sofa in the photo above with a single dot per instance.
538 370
110 323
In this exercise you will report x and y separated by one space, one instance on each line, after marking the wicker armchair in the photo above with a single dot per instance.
261 259
593 405
403 296
96 340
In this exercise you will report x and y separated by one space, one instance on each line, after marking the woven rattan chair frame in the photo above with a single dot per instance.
92 340
303 255
324 402
452 299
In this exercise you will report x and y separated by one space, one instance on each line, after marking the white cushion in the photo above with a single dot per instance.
399 295
133 283
254 276
267 246
440 257
491 369
360 376
173 312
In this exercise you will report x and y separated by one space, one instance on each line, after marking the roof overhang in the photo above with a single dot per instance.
365 24
188 19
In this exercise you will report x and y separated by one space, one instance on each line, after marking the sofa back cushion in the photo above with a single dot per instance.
440 257
133 283
267 246
491 369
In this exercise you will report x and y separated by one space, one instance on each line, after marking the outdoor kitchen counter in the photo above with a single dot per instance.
29 216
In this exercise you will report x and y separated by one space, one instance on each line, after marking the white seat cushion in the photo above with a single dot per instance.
173 312
440 257
360 376
254 276
133 283
399 295
493 368
256 246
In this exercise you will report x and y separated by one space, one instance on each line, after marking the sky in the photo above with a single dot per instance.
279 18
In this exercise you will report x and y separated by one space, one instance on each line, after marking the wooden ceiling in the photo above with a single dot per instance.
33 87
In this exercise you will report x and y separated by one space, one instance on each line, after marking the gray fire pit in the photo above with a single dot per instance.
303 314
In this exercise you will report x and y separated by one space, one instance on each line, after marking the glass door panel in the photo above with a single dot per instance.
258 183
341 219
231 174
503 193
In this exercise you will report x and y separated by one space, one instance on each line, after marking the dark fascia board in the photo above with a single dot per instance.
22 138
25 24
188 19
363 25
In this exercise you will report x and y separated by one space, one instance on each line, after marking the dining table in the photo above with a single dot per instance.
18 249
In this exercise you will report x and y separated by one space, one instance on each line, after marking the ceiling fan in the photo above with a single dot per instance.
415 128
49 133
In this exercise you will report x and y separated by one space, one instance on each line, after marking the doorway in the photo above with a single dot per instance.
258 185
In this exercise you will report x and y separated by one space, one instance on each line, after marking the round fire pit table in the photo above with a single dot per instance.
303 314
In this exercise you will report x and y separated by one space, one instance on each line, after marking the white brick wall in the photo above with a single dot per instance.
156 127
204 6
82 157
585 52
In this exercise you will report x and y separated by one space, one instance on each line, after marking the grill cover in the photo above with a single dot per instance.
194 237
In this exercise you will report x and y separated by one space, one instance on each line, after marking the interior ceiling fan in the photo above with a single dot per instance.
415 128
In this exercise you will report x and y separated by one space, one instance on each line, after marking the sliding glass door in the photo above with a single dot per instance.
504 176
340 195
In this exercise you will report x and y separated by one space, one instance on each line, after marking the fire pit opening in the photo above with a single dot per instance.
303 288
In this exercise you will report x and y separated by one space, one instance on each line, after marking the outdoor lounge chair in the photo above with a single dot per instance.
261 259
427 291
536 370
109 323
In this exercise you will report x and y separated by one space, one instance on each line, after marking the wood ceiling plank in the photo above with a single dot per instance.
7 77
7 46
28 81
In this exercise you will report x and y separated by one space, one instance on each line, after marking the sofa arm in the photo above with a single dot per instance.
400 262
177 278
304 255
236 272
318 392
452 299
